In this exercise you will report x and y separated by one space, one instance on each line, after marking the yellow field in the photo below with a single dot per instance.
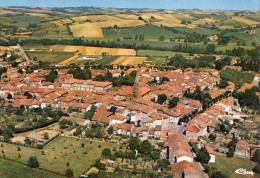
164 19
129 60
95 51
95 18
244 20
203 21
187 16
4 11
94 30
91 30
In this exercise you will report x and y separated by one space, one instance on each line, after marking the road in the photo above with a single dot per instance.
23 52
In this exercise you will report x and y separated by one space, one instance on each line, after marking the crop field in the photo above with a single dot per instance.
95 51
203 21
164 19
55 155
91 26
183 16
160 61
18 170
20 21
129 60
52 57
245 20
231 46
106 60
149 32
154 53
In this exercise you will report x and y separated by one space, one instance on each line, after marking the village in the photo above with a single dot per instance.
184 111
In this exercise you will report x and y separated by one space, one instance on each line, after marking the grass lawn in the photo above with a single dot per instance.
52 57
16 170
229 165
55 155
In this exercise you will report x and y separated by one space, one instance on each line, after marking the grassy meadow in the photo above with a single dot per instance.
62 151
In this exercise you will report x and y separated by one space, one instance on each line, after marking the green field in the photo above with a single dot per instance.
106 60
59 152
149 32
11 169
52 57
154 53
229 165
20 21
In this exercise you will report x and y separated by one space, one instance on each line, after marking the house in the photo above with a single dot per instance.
177 148
124 129
242 149
185 169
212 154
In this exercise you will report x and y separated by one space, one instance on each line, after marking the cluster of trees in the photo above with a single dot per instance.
96 131
197 94
223 40
51 76
203 155
231 148
222 84
2 70
140 37
143 147
90 113
180 61
79 73
250 60
256 158
36 122
219 64
65 123
196 38
248 98
116 44
238 77
124 79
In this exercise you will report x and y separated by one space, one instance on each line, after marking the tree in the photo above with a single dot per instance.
69 173
231 149
51 76
9 96
210 48
203 155
218 174
161 38
212 136
256 156
173 102
161 98
33 162
46 136
163 163
134 143
256 169
106 153
145 148
27 141
110 130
